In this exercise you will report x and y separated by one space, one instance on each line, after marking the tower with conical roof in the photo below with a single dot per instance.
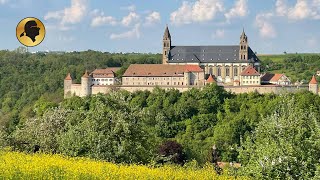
67 85
166 45
313 85
85 84
243 51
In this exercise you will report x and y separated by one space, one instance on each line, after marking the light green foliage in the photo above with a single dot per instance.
285 144
295 66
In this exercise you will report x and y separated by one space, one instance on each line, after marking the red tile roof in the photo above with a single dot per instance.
68 77
250 71
271 77
164 70
193 68
210 79
104 73
313 80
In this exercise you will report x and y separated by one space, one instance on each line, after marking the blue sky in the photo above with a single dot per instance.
272 26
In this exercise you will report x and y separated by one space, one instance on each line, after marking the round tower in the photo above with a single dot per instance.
67 85
313 85
85 85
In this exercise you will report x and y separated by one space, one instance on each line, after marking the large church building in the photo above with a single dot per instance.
225 63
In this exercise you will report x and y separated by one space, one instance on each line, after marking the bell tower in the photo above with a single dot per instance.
166 46
243 48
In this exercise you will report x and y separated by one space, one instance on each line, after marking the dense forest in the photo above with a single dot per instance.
272 136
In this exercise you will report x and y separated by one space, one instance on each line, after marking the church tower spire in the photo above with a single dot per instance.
243 51
166 45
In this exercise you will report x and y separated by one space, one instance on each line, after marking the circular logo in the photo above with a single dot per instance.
30 31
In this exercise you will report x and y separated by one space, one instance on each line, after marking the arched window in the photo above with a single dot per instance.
244 56
235 71
219 71
227 71
210 70
165 52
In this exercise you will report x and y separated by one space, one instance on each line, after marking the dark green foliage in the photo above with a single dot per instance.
295 66
129 127
27 80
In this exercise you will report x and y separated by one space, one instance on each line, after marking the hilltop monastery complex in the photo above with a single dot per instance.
235 67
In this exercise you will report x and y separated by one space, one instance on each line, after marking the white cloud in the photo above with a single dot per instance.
130 19
100 19
300 11
219 33
134 33
3 1
199 11
70 15
129 8
240 9
281 7
266 29
303 9
153 18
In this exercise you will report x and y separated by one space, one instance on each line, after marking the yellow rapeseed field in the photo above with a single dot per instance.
15 165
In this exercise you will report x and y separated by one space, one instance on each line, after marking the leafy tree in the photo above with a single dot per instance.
285 145
171 152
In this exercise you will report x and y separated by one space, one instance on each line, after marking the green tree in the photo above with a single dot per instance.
285 145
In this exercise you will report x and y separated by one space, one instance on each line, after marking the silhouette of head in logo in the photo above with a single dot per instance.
31 30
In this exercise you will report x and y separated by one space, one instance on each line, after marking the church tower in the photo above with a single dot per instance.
243 51
166 45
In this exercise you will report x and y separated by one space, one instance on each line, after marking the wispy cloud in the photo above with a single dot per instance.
3 1
266 29
240 9
199 11
303 9
69 15
129 8
218 34
134 33
131 18
153 18
100 19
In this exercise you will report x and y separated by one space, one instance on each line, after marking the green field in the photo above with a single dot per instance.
295 66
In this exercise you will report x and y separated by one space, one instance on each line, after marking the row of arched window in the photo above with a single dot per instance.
227 70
